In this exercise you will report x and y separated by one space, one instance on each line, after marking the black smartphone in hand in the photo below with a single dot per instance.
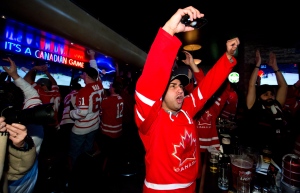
196 23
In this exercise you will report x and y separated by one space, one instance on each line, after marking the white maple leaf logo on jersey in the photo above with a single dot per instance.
186 149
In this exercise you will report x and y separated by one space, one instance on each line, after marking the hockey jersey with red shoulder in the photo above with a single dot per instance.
206 121
52 96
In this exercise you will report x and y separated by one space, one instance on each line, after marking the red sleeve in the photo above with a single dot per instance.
156 73
189 88
209 85
158 67
199 76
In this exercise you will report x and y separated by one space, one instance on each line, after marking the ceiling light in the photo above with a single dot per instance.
192 47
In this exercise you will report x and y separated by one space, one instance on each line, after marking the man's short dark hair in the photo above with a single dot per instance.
45 82
118 85
91 72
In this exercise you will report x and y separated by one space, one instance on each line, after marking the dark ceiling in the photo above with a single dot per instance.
274 23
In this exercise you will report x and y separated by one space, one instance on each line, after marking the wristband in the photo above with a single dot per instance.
275 71
257 67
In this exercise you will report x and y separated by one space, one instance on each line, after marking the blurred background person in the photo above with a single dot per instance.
265 122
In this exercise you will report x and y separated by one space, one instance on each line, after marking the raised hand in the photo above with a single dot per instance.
232 46
91 53
12 70
273 61
189 60
173 25
257 58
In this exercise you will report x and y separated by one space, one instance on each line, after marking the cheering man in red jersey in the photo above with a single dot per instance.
163 114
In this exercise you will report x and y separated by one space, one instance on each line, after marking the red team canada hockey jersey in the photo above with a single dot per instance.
170 140
230 106
112 108
206 124
52 96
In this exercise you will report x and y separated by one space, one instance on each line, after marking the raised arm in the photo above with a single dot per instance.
251 94
282 85
189 60
194 69
215 77
31 97
162 54
93 62
44 68
31 74
154 79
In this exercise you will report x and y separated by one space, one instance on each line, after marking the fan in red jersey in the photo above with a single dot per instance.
164 116
86 111
48 91
47 88
111 130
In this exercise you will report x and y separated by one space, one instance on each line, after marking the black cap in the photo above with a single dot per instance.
91 72
263 88
181 73
184 79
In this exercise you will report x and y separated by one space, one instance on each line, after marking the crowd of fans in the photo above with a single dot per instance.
175 115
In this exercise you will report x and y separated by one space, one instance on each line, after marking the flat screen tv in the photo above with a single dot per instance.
290 72
61 73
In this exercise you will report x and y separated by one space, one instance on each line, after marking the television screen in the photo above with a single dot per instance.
290 72
61 73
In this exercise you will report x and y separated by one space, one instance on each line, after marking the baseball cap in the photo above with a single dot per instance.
91 72
181 73
44 82
184 79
